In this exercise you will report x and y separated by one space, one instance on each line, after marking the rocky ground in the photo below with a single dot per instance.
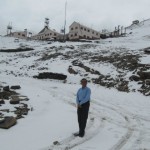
125 64
19 109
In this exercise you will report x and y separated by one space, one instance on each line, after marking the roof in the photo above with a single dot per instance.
43 30
47 29
83 26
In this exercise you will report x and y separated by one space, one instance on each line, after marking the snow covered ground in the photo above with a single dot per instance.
117 120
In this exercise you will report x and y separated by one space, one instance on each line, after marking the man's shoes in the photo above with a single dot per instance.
81 135
76 134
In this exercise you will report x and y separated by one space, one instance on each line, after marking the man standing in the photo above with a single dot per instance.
83 104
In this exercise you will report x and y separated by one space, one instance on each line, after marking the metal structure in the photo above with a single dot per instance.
47 22
9 28
65 21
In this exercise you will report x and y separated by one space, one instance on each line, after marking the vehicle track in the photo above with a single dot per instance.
133 125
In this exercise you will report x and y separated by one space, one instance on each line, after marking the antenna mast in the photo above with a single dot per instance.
9 28
47 22
65 21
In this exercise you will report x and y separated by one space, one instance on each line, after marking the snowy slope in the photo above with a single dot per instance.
117 120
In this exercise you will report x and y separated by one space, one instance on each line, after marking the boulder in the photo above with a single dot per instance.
56 143
14 100
71 70
15 87
6 88
7 94
134 78
2 120
22 110
147 82
50 75
2 101
5 110
147 50
144 75
8 122
71 47
20 98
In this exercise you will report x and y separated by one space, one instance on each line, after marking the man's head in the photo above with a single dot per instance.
84 82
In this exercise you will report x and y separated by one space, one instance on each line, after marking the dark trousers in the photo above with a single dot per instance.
83 116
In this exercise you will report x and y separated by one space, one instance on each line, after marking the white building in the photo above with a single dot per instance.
46 34
78 31
19 34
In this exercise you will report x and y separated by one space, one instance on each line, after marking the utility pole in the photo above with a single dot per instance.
121 30
118 30
65 21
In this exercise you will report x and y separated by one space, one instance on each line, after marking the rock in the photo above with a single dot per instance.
14 100
2 120
20 49
56 143
70 47
2 102
6 88
19 116
50 75
123 86
6 95
15 87
5 110
8 122
134 78
147 50
71 70
144 75
21 110
147 82
20 98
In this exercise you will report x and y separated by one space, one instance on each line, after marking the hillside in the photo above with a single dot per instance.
118 71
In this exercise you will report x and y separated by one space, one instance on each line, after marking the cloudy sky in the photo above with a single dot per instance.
97 14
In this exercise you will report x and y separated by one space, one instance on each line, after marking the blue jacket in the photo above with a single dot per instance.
83 95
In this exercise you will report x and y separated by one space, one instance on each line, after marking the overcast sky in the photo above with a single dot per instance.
97 14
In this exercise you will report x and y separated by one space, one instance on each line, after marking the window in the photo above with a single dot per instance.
76 34
23 35
71 35
84 36
88 30
93 32
76 27
18 33
71 28
54 34
84 29
96 33
50 33
81 28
